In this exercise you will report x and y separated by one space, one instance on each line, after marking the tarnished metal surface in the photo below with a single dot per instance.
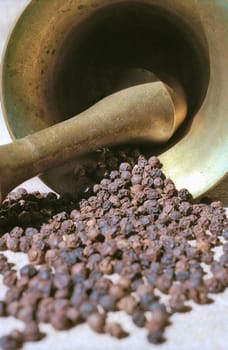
76 52
151 112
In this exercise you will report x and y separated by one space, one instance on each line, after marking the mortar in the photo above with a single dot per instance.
64 56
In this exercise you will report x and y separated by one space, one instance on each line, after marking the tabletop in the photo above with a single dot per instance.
204 328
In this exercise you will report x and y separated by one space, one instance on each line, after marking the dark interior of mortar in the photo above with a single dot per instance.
96 57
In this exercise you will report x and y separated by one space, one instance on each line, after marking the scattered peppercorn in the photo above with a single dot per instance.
133 223
97 322
115 330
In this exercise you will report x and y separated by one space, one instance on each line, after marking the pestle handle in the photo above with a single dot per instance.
147 112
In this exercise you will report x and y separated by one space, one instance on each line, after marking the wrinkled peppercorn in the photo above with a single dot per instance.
115 330
32 332
134 224
9 342
10 278
97 322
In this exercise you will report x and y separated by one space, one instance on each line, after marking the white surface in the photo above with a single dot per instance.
204 328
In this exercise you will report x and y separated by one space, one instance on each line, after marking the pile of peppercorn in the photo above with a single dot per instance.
134 238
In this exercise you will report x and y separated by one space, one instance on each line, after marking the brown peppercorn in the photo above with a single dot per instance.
61 305
8 342
93 261
115 330
50 256
10 278
153 326
105 266
12 308
116 291
135 224
26 313
107 302
139 318
60 321
128 304
13 294
12 243
28 271
16 232
3 245
155 337
87 308
163 283
45 309
70 240
32 332
36 256
61 280
24 244
144 289
124 283
73 315
93 233
160 316
154 162
18 336
97 322
178 305
4 265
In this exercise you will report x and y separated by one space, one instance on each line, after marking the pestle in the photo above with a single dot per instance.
146 112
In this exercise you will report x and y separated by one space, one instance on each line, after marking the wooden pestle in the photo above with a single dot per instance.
146 112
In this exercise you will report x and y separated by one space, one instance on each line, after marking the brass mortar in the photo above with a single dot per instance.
63 56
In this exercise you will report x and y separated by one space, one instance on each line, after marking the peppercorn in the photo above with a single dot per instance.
12 243
28 271
115 330
139 318
8 342
32 332
155 337
134 224
128 304
36 256
26 313
10 278
97 322
60 321
107 302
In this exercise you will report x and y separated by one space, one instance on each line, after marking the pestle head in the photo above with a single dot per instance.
147 112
